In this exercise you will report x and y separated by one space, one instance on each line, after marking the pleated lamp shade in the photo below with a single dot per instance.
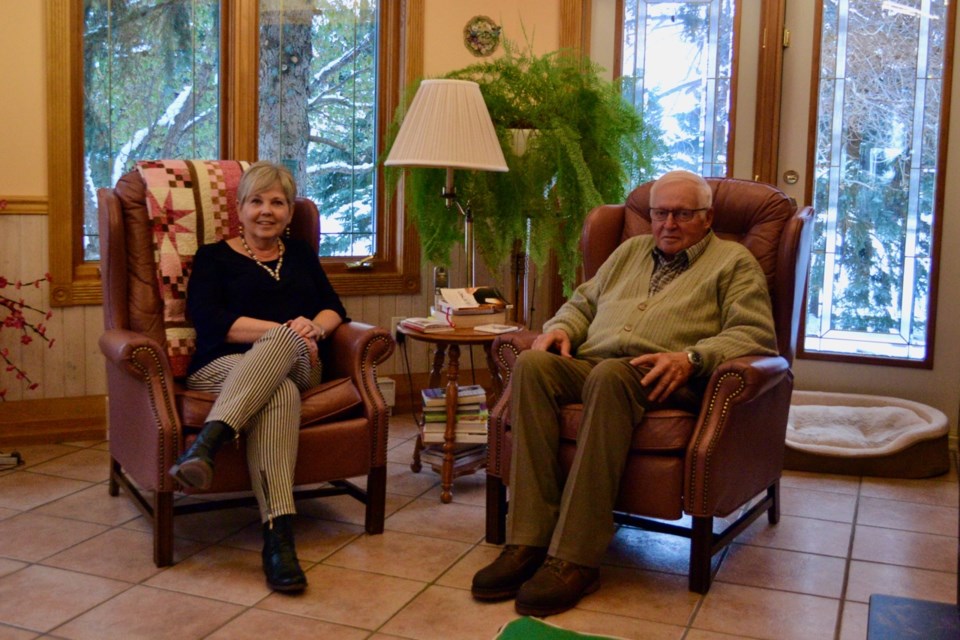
447 126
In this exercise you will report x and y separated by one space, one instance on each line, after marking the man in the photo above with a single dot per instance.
650 327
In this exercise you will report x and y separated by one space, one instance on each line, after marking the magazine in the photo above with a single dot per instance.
497 328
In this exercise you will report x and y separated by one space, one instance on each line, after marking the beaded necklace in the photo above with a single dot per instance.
274 273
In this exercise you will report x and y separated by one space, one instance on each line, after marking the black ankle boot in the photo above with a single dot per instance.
195 467
280 557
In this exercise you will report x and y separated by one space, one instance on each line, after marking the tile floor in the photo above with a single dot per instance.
76 563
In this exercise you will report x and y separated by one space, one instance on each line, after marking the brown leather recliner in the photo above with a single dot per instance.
702 465
153 417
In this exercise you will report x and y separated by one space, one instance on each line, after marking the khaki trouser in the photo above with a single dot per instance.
574 518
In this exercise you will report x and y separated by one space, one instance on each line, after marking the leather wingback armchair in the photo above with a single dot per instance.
713 463
153 418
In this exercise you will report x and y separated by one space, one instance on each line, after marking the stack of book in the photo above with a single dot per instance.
433 324
472 415
467 308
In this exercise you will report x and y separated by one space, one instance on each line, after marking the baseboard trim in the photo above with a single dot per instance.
24 422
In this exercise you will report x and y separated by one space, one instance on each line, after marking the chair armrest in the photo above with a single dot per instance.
144 424
505 350
737 446
355 350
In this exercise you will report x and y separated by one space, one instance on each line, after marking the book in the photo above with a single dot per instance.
469 452
465 437
437 396
497 328
468 321
466 414
427 325
471 298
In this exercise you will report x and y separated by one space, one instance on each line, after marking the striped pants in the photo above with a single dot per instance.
260 397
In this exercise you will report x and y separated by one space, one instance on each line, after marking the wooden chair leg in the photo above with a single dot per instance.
496 510
701 553
376 500
773 513
163 528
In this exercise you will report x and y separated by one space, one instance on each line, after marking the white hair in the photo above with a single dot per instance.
704 193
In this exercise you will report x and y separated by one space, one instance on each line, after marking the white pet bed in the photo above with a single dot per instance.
865 435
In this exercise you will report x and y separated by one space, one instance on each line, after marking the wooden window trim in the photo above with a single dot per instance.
77 282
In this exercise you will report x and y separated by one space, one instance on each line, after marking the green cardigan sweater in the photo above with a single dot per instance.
719 306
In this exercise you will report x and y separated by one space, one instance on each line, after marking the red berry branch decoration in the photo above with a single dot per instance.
14 316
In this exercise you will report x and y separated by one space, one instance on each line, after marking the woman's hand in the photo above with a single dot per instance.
306 328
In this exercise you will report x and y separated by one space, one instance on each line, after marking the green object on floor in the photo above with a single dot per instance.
535 629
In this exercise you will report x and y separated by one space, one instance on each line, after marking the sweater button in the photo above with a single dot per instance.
628 327
642 306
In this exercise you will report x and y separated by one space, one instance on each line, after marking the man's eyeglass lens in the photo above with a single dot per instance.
680 215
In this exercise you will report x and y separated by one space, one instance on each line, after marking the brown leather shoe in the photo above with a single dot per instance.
556 587
501 579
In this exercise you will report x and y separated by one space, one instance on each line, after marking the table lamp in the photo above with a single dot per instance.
448 126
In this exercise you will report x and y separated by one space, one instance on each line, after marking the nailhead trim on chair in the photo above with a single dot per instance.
153 399
378 416
505 385
721 423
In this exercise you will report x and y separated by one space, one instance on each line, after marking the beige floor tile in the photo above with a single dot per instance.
150 614
835 483
800 534
442 612
401 480
764 613
944 494
641 549
347 509
822 505
400 554
784 570
907 548
908 516
11 633
93 504
854 621
209 526
24 490
35 454
607 624
649 595
867 578
86 464
120 554
470 489
700 634
9 566
452 521
32 537
40 598
348 597
263 625
460 575
315 539
224 573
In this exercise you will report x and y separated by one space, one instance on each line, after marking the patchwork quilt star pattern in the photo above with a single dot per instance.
190 203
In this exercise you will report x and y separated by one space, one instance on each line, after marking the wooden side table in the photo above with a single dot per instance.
448 348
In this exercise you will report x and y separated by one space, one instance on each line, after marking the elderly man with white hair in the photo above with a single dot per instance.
650 327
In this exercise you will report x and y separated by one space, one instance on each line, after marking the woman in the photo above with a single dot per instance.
259 304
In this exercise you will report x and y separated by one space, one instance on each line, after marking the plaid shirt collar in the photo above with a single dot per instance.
666 268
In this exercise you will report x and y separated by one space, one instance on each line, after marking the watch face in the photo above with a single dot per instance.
694 358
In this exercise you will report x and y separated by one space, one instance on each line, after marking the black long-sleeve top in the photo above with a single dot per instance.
225 285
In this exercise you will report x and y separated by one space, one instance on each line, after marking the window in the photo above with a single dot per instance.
877 171
179 78
690 98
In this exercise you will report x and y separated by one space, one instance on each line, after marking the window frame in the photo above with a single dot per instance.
396 268
939 194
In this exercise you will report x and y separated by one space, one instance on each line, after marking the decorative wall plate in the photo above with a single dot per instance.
481 36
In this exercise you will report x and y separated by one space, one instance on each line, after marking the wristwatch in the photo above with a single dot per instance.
695 359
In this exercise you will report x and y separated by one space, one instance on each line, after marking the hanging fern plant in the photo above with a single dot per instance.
588 146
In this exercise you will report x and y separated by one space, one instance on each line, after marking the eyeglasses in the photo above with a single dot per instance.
679 215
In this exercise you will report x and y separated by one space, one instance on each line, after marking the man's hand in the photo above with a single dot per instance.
668 372
556 338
